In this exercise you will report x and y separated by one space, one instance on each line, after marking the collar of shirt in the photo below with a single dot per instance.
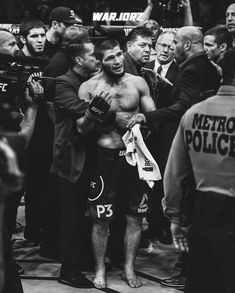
80 77
201 53
165 67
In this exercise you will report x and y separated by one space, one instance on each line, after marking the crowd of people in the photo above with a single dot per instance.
170 91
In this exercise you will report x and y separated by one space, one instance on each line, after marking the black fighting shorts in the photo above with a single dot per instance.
116 187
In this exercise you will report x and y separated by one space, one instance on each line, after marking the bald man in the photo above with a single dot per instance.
197 76
230 21
8 43
197 79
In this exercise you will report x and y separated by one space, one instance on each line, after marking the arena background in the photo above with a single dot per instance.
206 13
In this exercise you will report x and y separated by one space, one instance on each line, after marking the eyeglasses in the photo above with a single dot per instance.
165 46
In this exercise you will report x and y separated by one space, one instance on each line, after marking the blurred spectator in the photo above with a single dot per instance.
230 21
217 41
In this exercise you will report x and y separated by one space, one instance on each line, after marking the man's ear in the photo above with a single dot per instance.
23 40
54 24
187 45
79 60
223 47
128 45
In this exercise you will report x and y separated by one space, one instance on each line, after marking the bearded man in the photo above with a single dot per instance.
115 188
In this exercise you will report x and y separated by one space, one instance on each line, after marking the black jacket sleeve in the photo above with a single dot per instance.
187 93
66 99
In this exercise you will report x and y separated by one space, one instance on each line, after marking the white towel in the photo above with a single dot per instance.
138 153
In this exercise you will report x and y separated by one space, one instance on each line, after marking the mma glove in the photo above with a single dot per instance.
98 108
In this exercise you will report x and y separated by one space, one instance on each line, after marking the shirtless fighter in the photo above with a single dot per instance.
116 186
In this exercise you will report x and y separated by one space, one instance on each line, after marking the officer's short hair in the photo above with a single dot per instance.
221 35
228 67
141 31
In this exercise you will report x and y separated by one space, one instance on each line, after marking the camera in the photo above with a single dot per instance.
16 74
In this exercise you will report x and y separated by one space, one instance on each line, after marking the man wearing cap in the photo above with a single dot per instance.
59 18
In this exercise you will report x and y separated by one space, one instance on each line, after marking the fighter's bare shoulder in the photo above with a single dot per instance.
138 81
88 86
134 78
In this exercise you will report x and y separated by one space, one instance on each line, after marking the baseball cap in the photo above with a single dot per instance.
64 14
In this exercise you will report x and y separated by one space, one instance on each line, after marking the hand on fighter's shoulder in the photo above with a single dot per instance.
87 86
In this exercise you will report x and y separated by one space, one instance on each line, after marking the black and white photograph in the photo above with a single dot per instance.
117 146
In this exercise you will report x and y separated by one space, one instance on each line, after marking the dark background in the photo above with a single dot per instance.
206 13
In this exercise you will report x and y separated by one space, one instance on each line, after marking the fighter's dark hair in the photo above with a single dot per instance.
105 45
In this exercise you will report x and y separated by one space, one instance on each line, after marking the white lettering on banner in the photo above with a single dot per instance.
101 209
127 30
97 16
113 16
3 86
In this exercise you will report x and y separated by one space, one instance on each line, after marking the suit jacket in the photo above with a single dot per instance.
69 150
196 76
58 64
130 66
163 91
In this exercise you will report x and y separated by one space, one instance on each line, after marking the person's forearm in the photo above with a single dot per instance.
188 16
146 14
28 123
85 124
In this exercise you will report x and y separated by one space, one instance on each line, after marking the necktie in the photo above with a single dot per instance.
159 70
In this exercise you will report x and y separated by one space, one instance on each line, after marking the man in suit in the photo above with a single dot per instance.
139 44
196 77
44 132
71 162
165 67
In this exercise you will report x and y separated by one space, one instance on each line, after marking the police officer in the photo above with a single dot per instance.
199 177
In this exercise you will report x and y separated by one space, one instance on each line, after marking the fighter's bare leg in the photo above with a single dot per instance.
99 241
132 239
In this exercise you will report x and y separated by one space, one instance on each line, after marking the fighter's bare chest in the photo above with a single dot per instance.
123 97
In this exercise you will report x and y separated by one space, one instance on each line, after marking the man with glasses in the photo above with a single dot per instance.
165 67
59 18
